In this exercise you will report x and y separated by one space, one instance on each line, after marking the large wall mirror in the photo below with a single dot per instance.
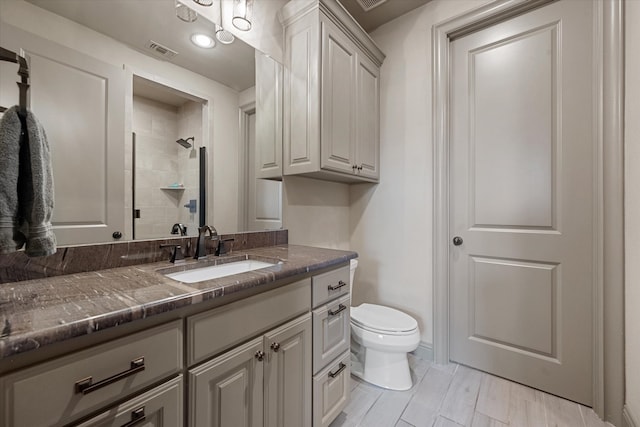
147 129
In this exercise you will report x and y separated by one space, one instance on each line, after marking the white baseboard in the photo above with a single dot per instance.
425 352
629 419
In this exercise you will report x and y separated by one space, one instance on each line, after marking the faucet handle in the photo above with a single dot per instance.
177 257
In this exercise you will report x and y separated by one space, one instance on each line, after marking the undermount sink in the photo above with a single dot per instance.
216 271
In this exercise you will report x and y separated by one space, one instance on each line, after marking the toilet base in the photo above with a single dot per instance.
386 370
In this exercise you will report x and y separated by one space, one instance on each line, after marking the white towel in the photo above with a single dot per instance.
34 189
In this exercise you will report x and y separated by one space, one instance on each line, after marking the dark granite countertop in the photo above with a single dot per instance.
36 313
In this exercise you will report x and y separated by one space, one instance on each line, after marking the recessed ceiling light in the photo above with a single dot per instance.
203 40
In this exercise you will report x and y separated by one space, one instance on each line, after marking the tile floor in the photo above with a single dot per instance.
454 396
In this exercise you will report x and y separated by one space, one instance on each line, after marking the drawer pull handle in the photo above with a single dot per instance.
137 417
341 307
336 373
336 287
86 386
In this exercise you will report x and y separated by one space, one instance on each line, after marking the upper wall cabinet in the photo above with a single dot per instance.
268 118
331 94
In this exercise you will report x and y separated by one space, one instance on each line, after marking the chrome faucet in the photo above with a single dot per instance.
201 246
179 228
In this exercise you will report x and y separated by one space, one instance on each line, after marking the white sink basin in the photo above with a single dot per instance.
216 271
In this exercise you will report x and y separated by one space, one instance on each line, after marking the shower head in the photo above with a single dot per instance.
185 142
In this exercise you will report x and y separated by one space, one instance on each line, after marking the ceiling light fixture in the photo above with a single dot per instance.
242 14
184 13
203 2
203 40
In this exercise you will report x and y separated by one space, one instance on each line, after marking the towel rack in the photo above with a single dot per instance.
23 72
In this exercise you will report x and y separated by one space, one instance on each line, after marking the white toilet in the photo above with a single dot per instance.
381 337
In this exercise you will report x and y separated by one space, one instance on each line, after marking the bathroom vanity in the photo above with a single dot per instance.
123 346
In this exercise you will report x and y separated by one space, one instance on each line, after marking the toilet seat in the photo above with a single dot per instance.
383 320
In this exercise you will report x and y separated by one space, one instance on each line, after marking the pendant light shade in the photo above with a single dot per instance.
242 14
184 13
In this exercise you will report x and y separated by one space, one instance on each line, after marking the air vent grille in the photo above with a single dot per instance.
160 50
367 5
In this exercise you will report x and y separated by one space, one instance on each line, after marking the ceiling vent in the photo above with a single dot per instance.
367 5
160 50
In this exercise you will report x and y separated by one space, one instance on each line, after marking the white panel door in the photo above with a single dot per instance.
80 103
522 199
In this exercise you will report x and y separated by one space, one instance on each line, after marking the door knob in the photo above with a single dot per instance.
457 241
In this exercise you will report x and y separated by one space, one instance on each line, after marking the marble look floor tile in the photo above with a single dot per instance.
481 420
387 409
590 418
460 402
443 396
445 422
562 413
494 398
423 408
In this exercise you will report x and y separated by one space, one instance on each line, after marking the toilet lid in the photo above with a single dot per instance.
381 318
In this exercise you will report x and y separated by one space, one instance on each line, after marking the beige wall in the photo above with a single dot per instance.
316 212
390 223
632 210
222 140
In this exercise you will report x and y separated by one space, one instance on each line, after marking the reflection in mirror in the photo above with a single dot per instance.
165 161
98 70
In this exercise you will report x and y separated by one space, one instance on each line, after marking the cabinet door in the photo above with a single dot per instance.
368 118
288 375
338 129
161 406
228 390
268 139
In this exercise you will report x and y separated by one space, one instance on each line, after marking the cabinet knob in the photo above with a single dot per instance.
354 167
260 355
275 346
359 167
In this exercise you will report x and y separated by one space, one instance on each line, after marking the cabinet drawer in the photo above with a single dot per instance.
161 406
111 371
330 285
331 390
331 332
219 329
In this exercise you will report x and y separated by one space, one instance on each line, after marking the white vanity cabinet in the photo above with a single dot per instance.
264 382
161 406
331 345
278 358
73 386
331 94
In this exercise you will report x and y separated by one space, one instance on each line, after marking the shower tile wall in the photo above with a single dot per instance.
160 162
190 124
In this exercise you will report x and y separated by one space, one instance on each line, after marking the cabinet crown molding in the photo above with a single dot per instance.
333 10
